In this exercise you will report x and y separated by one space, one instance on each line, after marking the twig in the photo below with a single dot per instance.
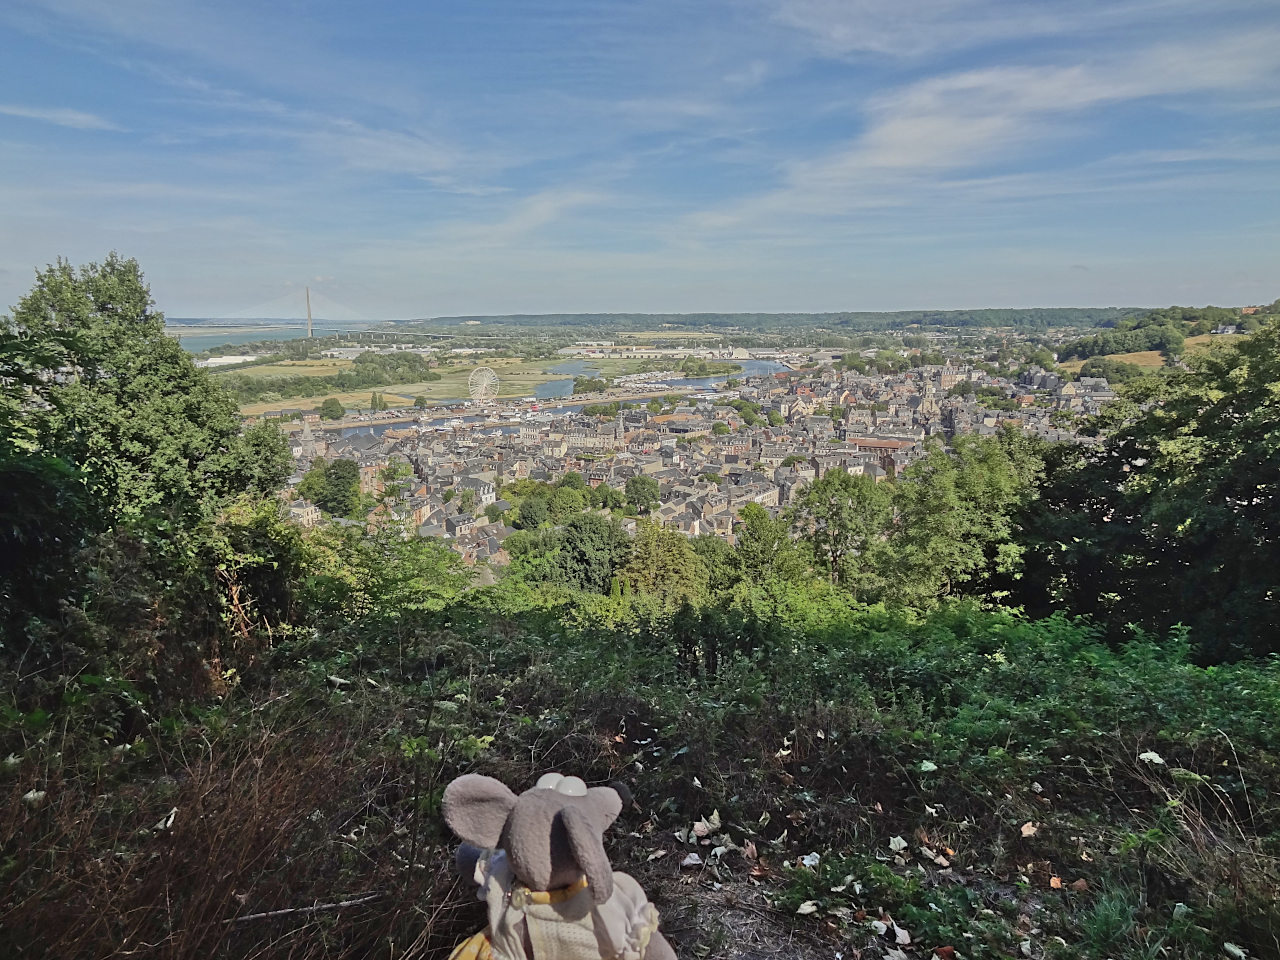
315 908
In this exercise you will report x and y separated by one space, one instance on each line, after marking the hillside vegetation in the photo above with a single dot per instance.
1018 703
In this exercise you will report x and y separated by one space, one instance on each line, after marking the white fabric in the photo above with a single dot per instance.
575 929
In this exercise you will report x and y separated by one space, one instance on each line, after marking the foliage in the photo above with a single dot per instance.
641 492
1114 371
956 514
333 486
367 370
1173 519
664 564
846 520
332 409
765 550
146 430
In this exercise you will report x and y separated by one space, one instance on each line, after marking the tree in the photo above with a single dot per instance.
573 481
956 515
846 519
719 429
467 501
333 486
266 460
603 495
564 503
590 550
148 432
332 409
663 563
533 513
654 405
493 512
1175 517
775 418
718 560
765 550
642 492
421 402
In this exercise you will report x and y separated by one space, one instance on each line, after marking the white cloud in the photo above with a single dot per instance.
915 28
953 124
59 116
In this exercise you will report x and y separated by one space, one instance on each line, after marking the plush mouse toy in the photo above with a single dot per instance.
540 862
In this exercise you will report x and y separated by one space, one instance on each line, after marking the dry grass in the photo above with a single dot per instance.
293 368
1154 359
291 816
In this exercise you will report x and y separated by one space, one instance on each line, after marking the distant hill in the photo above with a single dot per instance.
1036 318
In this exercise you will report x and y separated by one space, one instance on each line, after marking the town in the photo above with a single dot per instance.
758 439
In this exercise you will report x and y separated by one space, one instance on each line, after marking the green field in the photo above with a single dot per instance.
1154 359
291 368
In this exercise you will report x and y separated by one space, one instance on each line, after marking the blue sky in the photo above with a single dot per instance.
425 158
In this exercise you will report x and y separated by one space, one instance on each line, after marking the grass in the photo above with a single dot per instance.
975 779
516 378
293 368
1154 359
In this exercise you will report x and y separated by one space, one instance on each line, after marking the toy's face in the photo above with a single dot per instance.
553 833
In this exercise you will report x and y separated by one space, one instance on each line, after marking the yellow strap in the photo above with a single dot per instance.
554 896
473 948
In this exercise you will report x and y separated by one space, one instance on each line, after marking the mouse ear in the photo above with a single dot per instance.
476 808
587 846
606 803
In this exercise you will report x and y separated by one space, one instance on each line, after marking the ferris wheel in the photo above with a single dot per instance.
483 384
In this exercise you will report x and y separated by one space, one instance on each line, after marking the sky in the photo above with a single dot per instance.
412 158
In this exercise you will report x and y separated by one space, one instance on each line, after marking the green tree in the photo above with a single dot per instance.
421 402
564 503
573 481
467 501
775 418
663 563
718 560
533 513
1175 517
719 429
642 492
266 460
603 495
333 486
654 405
846 519
332 409
590 550
148 433
956 515
765 549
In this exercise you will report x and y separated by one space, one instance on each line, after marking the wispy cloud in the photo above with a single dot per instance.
915 28
59 116
917 137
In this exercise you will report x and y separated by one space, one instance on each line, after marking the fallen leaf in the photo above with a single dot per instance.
33 798
1080 886
897 844
901 936
945 953
1151 757
810 860
809 906
749 850
880 927
1029 829
692 860
657 855
928 766
1055 883
1231 950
